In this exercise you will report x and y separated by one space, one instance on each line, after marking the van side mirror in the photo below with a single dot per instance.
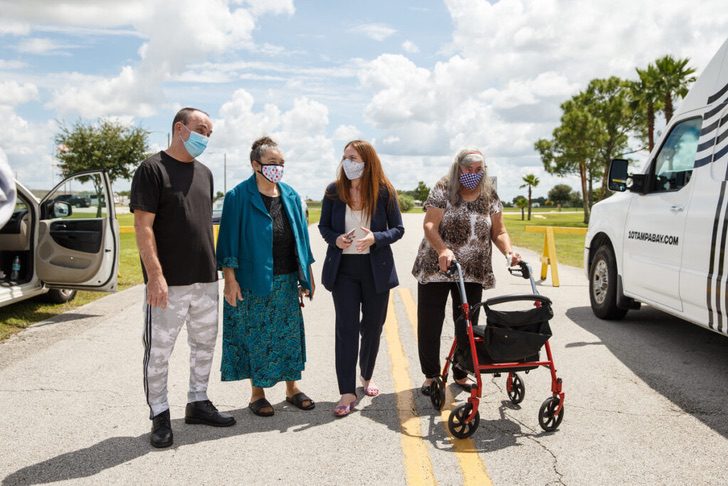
618 175
60 209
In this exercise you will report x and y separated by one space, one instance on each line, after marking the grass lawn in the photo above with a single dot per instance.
569 248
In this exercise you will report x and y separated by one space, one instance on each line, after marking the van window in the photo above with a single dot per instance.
674 162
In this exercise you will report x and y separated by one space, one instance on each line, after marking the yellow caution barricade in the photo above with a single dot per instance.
548 256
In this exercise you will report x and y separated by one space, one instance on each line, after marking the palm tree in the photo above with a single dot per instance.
674 79
521 204
646 101
531 181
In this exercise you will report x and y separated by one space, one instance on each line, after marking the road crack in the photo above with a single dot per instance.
531 436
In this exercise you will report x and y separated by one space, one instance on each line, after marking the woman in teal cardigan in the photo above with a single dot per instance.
263 248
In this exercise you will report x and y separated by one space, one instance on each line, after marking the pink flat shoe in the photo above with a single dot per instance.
371 390
344 410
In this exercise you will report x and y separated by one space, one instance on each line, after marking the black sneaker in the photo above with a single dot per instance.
204 412
161 430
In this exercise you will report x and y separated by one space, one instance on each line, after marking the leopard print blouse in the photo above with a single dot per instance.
465 229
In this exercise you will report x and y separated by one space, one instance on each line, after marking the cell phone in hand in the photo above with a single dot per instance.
350 234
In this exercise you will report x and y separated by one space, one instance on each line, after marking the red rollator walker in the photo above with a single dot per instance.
509 342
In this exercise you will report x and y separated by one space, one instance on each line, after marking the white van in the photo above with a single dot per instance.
51 247
662 239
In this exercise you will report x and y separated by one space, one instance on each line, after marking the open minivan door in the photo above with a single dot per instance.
78 247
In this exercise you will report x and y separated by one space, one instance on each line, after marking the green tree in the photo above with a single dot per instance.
574 146
645 103
609 101
530 181
521 203
406 202
421 192
674 78
107 145
560 194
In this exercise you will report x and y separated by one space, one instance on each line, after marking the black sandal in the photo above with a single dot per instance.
257 406
298 401
425 390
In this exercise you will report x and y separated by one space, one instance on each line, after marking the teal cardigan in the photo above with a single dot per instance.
245 241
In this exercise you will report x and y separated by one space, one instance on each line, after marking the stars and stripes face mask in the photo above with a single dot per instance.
272 172
470 181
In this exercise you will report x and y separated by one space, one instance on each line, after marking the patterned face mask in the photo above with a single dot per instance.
272 172
470 181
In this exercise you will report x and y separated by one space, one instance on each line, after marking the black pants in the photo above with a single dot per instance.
431 300
359 310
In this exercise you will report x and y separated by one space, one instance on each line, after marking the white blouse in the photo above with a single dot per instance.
354 220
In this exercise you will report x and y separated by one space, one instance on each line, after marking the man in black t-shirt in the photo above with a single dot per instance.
171 198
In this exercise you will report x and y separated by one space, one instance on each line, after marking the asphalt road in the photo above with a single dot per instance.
645 404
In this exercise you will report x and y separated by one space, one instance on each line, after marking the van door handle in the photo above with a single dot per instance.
676 208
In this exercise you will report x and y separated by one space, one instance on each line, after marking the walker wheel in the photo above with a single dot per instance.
457 424
546 418
516 389
437 393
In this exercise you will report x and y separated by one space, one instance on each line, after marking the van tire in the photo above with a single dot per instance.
603 285
60 296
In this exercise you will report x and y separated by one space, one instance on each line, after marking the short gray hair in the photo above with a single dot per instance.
463 159
260 147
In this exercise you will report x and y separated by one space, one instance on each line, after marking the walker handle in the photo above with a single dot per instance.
522 270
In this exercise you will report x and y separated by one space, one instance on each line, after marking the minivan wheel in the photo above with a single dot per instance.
59 296
603 285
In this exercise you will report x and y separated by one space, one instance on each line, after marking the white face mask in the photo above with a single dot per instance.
353 169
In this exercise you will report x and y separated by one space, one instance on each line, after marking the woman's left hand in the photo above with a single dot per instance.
364 243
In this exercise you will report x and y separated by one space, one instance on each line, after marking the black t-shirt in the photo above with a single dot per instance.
284 245
180 195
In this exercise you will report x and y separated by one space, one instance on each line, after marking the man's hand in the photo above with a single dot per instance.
157 292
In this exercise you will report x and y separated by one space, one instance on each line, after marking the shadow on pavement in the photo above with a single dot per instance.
683 362
114 451
492 435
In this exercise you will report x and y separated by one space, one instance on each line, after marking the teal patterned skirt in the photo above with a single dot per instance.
263 337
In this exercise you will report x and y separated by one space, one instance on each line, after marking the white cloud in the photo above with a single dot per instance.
6 64
377 32
29 148
410 47
347 133
177 37
278 7
9 27
39 45
13 93
511 63
301 131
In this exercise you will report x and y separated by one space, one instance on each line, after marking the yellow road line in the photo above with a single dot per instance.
471 466
417 463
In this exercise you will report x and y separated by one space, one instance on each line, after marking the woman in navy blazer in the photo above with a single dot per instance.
360 219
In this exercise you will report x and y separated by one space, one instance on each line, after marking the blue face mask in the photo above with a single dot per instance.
195 143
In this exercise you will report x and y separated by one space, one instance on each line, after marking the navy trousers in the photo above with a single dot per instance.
360 310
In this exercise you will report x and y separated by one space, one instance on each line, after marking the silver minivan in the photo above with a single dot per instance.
52 247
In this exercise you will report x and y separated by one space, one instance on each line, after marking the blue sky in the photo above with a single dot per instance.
420 79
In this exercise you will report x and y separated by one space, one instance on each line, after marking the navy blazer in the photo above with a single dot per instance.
386 224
